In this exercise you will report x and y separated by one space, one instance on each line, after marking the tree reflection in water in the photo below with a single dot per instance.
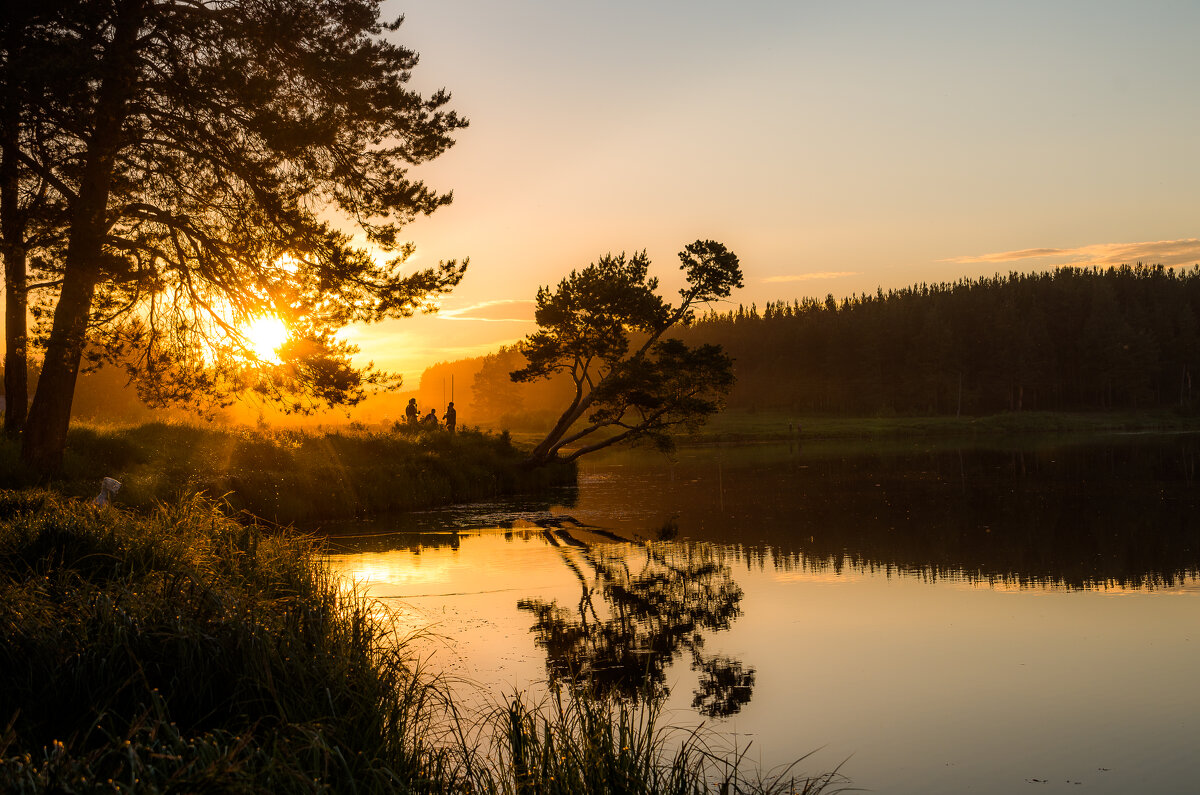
655 602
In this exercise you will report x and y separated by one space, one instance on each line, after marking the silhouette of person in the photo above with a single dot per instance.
410 411
430 418
451 417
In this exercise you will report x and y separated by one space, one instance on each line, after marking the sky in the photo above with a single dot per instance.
836 147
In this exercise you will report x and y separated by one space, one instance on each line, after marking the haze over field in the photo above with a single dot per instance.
835 147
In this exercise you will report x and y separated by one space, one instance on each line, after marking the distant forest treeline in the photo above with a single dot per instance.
1119 338
1070 339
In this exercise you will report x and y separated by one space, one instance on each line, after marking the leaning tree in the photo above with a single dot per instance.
208 153
604 328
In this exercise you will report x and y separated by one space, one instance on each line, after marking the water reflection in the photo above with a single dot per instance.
1124 511
960 620
640 607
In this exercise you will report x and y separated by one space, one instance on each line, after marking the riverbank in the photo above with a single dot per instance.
179 650
294 476
746 426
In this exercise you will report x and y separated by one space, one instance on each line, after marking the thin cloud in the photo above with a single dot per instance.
448 353
498 311
806 277
1157 252
1011 256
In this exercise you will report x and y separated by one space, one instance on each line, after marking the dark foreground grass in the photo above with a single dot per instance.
294 476
181 651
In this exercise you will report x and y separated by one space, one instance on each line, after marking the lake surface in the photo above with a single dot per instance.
933 619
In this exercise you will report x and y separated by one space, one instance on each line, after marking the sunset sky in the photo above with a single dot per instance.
836 147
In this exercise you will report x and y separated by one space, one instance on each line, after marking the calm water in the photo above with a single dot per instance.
940 620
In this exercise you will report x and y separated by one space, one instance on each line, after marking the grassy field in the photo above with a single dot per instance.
778 426
1018 430
181 651
292 476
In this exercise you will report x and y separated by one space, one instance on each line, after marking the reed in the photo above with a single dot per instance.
577 743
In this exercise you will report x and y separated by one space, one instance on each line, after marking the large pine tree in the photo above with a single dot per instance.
204 150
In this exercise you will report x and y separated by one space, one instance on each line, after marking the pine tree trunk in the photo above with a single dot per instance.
16 333
16 337
45 436
542 452
12 229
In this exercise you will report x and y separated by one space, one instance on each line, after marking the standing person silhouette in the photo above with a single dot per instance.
451 417
410 411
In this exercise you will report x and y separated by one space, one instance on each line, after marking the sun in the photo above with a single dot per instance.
265 335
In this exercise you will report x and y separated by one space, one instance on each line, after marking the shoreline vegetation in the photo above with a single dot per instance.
294 476
178 650
305 476
764 426
864 434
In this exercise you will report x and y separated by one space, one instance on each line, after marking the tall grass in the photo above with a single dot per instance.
577 744
180 648
181 651
295 476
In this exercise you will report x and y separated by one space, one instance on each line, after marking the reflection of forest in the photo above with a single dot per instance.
1123 512
640 607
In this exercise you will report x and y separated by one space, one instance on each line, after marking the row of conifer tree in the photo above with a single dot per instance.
1118 338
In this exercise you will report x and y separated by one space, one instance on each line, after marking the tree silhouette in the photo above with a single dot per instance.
647 616
603 327
199 148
